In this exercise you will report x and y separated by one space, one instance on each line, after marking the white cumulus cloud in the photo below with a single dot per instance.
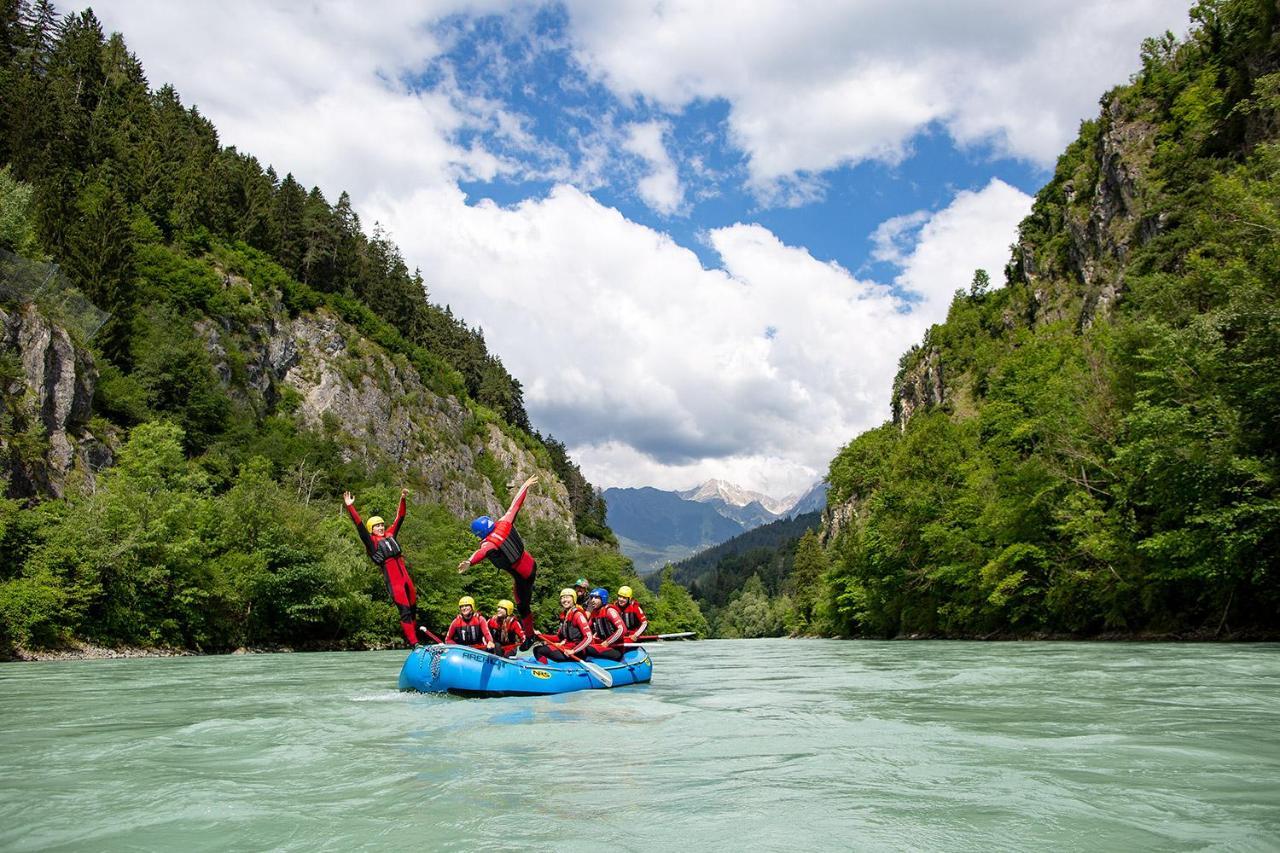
660 188
814 86
654 368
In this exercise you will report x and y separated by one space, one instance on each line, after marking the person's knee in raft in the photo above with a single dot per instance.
607 626
379 540
508 634
469 628
632 615
573 634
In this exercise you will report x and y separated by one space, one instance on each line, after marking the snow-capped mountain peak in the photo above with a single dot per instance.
734 495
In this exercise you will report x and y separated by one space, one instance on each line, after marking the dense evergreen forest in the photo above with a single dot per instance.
216 524
750 586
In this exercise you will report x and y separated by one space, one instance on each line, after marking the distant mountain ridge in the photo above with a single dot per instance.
656 527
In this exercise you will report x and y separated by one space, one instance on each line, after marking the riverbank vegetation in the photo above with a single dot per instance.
217 522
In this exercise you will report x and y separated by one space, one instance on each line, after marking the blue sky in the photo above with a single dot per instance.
699 233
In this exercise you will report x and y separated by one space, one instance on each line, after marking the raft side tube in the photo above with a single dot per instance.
465 671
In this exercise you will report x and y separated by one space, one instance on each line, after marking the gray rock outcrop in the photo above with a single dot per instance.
48 399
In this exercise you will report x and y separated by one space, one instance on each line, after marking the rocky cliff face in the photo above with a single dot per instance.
335 381
918 384
1103 216
836 518
314 367
48 388
1068 264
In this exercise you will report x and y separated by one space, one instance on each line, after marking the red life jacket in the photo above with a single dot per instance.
510 546
603 625
384 548
569 631
505 631
467 632
632 615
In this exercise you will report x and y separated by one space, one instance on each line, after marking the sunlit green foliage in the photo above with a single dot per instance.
1120 472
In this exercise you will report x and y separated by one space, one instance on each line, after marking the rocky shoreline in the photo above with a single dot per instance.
88 651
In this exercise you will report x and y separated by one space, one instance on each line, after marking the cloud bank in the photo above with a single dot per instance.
654 368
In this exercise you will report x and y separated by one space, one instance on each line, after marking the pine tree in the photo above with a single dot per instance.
288 229
320 230
99 259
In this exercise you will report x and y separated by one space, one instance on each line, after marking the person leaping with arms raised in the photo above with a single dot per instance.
504 548
380 542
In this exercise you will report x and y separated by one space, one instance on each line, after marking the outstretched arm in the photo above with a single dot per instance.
479 554
518 500
350 501
394 529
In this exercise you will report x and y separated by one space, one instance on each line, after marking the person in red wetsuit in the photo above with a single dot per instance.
469 628
380 542
632 615
504 548
574 633
607 626
506 630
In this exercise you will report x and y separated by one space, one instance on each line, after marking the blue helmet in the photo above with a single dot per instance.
482 526
602 593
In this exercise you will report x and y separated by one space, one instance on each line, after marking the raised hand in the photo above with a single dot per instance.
529 482
348 498
463 566
404 493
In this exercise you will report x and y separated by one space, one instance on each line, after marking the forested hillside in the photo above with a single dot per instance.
1093 447
199 356
762 583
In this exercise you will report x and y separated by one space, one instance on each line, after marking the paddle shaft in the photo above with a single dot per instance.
595 669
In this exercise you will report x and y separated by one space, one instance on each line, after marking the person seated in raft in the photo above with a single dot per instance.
632 615
381 545
469 628
607 627
574 633
501 545
506 630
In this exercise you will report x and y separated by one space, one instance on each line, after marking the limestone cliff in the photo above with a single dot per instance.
48 384
1068 263
332 379
311 366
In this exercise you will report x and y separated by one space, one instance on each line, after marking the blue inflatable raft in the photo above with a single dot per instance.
465 671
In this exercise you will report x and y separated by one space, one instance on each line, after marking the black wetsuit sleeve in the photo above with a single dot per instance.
395 525
364 534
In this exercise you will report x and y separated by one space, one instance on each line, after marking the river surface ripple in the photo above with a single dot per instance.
764 744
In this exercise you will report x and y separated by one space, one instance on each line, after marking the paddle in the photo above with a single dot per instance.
598 671
668 636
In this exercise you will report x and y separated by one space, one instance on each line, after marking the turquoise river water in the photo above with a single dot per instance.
736 745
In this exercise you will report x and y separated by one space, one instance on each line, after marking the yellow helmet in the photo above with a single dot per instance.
466 599
507 606
374 521
571 592
625 592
